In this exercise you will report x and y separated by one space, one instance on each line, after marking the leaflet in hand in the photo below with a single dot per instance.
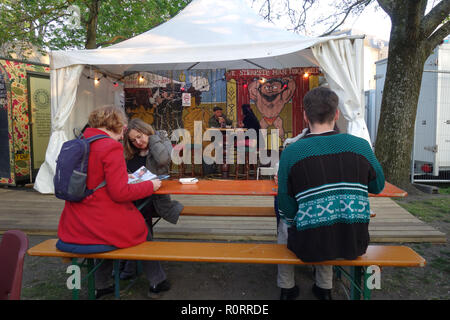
141 174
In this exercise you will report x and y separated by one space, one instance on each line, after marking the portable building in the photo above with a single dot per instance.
431 152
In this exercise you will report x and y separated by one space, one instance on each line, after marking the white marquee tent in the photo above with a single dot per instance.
207 34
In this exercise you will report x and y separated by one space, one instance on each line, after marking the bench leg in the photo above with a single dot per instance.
367 292
116 265
91 278
75 291
355 291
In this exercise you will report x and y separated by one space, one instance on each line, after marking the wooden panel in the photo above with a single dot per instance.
228 211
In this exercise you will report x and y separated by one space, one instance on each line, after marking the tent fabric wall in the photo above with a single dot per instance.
207 34
64 83
341 61
73 98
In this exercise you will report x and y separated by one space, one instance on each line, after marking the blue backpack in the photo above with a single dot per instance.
71 169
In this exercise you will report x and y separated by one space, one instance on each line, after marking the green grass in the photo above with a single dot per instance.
444 189
429 210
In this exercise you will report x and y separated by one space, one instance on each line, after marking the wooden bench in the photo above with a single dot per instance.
228 211
379 255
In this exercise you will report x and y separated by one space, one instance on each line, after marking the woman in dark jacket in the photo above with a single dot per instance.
250 121
145 147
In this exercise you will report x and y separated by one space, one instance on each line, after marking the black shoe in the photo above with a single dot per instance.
126 275
154 292
103 292
289 294
321 294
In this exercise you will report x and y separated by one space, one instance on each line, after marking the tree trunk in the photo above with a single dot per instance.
395 137
91 30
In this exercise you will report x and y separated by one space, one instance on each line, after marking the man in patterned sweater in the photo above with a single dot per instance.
323 183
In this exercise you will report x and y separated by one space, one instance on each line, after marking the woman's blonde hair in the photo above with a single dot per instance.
139 125
111 118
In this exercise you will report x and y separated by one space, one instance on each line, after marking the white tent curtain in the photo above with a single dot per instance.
341 62
64 84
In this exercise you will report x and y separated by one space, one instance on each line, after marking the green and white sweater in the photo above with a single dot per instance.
323 186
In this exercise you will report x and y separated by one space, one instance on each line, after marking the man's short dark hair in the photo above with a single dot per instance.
320 105
217 108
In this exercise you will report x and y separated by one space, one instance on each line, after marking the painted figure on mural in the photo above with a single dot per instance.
270 96
137 105
168 108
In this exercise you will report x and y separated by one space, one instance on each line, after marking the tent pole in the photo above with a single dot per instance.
246 60
193 66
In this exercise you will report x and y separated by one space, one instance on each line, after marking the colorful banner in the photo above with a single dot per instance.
40 118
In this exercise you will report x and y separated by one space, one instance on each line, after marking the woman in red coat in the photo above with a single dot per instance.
107 219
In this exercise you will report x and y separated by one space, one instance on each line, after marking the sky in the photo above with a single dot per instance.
373 21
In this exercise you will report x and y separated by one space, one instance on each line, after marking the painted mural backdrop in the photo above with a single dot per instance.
5 168
275 96
16 112
175 99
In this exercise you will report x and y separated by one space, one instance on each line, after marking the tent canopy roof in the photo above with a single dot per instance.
207 34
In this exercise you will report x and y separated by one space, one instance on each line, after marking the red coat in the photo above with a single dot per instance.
108 216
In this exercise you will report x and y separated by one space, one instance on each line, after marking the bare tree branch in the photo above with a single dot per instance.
113 40
434 18
437 37
348 10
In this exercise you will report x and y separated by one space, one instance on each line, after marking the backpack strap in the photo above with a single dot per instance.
101 185
96 137
90 140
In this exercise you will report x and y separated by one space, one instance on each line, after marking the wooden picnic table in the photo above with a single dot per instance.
246 187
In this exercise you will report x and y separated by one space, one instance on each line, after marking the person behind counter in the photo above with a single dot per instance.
218 120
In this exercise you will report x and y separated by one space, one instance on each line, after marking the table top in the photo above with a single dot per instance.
246 187
220 187
390 191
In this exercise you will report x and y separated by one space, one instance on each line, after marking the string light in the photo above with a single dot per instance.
141 78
